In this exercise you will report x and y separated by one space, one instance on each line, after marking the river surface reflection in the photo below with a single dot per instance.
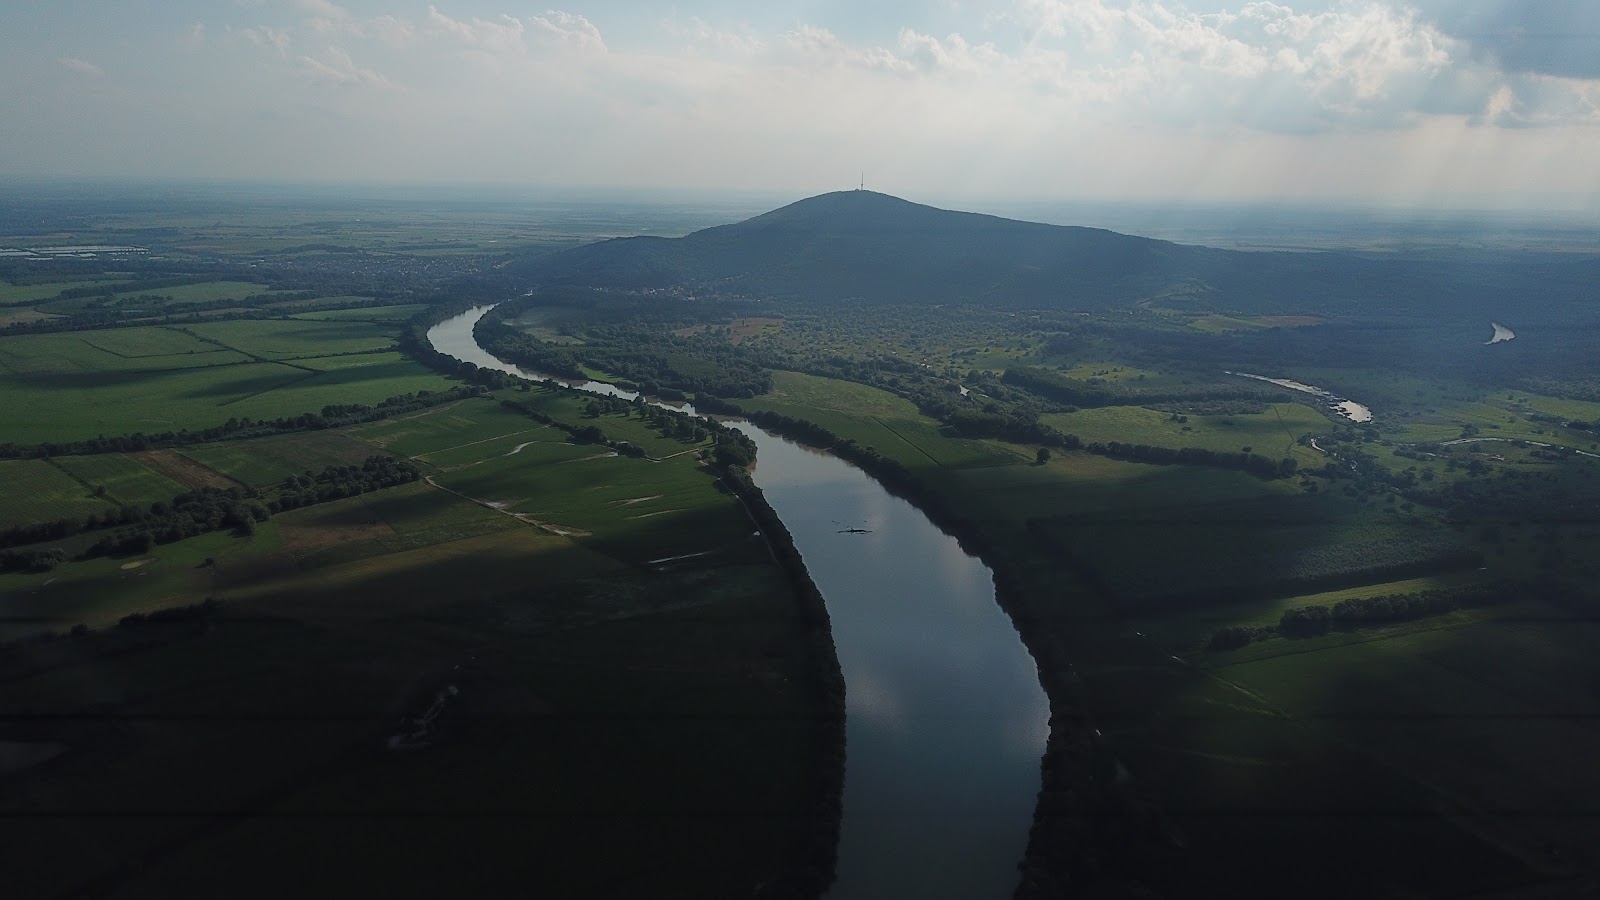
946 719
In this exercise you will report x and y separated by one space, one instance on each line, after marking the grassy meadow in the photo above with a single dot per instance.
1273 434
33 490
876 418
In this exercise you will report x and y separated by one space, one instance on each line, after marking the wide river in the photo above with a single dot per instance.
946 721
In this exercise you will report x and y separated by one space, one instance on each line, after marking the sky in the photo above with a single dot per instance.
1398 102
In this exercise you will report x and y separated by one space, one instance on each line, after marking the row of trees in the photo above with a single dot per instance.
200 511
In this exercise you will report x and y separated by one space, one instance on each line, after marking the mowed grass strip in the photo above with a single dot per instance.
282 339
33 490
125 479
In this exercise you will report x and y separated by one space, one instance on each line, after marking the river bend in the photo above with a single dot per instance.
946 720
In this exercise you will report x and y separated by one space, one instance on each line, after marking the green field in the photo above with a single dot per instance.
25 293
297 339
1245 547
1509 716
34 491
635 509
58 387
98 592
1272 434
205 292
444 427
351 613
266 461
480 451
126 480
321 303
124 350
363 314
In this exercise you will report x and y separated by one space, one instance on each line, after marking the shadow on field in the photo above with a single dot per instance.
604 732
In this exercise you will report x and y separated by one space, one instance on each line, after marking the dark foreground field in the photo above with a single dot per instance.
410 691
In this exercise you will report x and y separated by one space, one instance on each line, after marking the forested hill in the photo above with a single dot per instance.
866 246
870 246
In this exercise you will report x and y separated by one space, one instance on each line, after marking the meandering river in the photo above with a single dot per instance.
946 721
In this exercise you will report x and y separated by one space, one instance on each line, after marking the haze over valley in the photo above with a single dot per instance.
1028 449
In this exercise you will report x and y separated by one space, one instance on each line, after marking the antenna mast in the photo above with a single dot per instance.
863 180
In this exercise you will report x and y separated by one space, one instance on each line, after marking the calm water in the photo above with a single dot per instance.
946 720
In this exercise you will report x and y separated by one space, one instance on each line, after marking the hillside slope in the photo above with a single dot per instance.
869 247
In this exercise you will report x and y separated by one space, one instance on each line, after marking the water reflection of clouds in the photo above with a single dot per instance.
873 697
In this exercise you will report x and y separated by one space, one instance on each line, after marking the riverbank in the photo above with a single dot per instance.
1088 825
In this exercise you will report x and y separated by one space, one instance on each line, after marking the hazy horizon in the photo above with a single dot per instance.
1428 103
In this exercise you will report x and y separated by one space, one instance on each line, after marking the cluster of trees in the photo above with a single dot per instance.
646 354
730 447
1254 463
39 532
189 514
336 416
337 482
32 559
1357 612
172 615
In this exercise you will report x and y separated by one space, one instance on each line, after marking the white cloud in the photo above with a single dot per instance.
1089 96
338 68
567 30
323 9
265 36
509 34
701 36
81 66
